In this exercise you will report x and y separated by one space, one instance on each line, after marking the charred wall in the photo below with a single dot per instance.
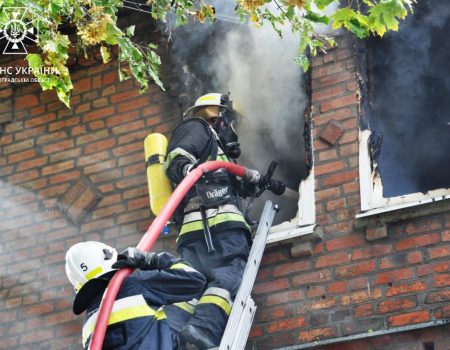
409 109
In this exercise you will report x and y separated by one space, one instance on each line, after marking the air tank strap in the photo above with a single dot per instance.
154 159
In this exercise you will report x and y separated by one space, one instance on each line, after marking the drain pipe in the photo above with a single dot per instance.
149 238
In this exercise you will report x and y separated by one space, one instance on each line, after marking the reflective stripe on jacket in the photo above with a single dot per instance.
138 319
186 146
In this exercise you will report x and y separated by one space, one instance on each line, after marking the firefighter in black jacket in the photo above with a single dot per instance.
152 304
214 235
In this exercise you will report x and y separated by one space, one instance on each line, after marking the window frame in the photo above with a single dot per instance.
371 187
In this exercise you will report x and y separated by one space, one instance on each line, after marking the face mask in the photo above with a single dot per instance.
227 135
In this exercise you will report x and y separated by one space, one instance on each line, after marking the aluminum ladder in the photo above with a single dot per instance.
244 308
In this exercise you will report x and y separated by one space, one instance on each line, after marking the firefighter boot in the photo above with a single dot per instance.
198 337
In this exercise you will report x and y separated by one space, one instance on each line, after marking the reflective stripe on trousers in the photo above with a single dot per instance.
219 297
123 310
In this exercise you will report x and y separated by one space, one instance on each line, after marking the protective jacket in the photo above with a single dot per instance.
194 142
150 307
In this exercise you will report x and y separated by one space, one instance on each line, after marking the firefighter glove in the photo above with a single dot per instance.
251 175
277 187
136 258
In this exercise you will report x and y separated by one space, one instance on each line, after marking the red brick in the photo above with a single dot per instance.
339 102
330 154
332 259
124 95
18 157
256 331
64 177
355 269
311 277
40 120
442 312
110 78
345 242
328 93
409 318
99 146
26 101
423 226
95 136
66 122
327 193
375 233
100 166
372 251
57 167
123 118
337 287
327 70
108 211
401 260
82 85
286 325
132 147
439 252
396 305
329 167
98 114
317 334
429 269
438 297
270 286
130 126
291 267
396 275
420 241
340 178
361 296
440 281
93 158
17 146
134 169
349 136
21 177
133 104
51 137
59 146
335 204
315 291
363 310
412 287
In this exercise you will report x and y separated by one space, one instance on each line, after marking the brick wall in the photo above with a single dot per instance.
43 152
348 286
353 282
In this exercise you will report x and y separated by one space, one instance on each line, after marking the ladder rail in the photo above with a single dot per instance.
243 302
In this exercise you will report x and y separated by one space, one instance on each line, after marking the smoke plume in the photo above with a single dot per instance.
258 68
410 85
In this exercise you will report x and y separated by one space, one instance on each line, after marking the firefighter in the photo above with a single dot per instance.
151 306
214 236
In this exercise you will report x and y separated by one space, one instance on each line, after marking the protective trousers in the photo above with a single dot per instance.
223 270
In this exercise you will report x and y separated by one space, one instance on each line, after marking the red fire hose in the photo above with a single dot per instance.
149 238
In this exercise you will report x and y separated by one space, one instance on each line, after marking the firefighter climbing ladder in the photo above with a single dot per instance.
244 308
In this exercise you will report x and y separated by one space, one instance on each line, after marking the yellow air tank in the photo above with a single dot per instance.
159 187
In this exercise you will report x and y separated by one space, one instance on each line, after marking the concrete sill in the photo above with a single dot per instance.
402 211
282 233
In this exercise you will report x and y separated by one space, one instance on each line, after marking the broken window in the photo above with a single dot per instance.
257 68
409 111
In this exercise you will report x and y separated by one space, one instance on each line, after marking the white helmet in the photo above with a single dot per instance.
86 263
211 99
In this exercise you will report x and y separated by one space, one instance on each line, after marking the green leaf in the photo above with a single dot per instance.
105 54
385 16
34 60
130 30
317 18
321 4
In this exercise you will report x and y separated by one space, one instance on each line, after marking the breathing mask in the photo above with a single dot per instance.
225 128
